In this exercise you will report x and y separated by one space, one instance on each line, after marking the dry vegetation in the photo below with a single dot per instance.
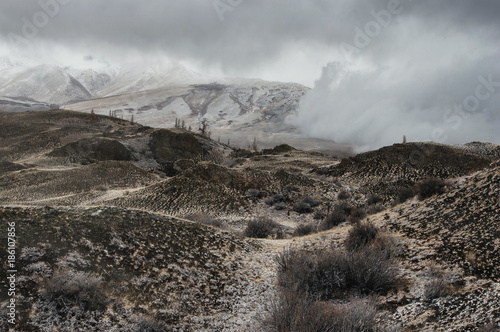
167 230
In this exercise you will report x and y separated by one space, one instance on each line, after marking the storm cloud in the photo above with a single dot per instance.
378 69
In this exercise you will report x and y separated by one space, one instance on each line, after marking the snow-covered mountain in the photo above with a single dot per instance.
157 95
42 83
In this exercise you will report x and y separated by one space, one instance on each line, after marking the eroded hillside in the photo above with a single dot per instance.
112 216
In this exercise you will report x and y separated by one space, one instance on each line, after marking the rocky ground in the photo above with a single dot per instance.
146 226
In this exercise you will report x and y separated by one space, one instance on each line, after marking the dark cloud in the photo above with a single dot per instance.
425 57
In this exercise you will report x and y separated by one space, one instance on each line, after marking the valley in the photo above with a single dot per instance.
166 229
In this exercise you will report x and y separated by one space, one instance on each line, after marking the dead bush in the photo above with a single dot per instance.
311 201
304 229
263 228
69 288
328 274
343 195
430 187
335 218
302 207
373 209
296 312
360 235
374 199
357 214
404 194
149 324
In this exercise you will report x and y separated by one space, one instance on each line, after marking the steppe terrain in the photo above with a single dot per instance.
124 227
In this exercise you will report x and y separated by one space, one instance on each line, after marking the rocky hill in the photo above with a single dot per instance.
111 226
141 272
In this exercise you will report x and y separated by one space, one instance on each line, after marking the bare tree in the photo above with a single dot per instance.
203 128
404 139
93 117
254 145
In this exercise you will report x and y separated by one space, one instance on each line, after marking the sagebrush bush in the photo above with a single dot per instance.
304 229
373 209
357 214
149 324
335 218
278 198
360 235
405 194
280 206
311 201
344 207
374 199
295 312
343 195
319 215
372 270
435 288
326 274
262 228
253 193
430 187
302 207
69 288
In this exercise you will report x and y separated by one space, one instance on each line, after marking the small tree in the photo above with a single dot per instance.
132 119
93 117
203 128
254 145
183 124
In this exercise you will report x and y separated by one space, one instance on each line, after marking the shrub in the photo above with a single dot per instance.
357 214
149 324
304 229
278 198
327 274
404 194
343 207
322 171
311 201
489 328
374 199
262 228
373 209
372 271
302 207
69 288
430 187
334 219
253 193
435 288
280 206
319 215
343 195
360 235
295 312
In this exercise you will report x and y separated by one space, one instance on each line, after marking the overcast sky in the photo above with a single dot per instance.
386 68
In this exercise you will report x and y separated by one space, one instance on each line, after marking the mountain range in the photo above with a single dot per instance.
239 111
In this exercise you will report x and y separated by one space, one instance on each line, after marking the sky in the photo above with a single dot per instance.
377 69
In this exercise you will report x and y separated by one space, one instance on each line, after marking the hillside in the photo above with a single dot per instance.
125 227
146 268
